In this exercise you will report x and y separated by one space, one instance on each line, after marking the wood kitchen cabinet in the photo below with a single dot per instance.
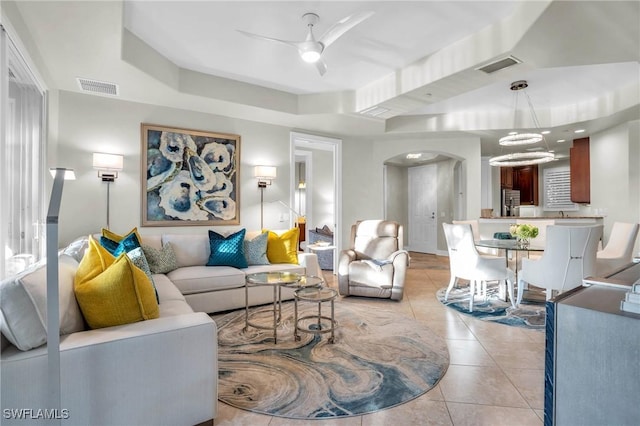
524 179
579 170
506 177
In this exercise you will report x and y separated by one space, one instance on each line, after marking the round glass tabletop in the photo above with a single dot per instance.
316 294
273 278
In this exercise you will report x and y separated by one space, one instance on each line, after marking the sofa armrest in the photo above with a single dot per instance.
160 371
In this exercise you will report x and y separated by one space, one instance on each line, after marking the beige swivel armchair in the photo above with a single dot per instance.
376 264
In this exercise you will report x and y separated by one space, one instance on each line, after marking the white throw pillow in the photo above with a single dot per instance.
23 305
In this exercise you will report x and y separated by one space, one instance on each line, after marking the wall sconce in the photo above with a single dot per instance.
264 174
108 166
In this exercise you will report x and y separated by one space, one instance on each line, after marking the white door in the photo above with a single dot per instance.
423 196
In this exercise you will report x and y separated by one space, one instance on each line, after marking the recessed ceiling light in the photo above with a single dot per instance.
579 131
413 156
545 132
560 140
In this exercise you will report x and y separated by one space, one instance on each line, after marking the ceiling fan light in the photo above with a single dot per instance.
310 56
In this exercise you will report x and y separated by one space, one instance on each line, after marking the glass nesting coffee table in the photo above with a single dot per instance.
277 280
316 323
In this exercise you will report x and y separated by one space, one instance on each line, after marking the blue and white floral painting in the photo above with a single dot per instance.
191 177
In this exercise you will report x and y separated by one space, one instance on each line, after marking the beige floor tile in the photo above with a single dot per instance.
417 412
530 384
540 414
435 394
480 385
468 352
486 331
527 355
456 330
481 415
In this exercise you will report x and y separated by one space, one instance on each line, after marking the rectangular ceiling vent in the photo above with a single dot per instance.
95 86
374 111
500 64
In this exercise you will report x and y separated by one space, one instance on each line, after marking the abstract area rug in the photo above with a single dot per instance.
379 360
527 315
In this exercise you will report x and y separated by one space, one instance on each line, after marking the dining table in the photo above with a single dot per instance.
514 250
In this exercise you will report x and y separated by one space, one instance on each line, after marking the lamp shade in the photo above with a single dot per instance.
264 172
69 174
103 161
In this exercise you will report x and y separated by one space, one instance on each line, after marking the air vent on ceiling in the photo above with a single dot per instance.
374 111
500 64
95 86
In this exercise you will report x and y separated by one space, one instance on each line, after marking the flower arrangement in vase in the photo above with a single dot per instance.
524 233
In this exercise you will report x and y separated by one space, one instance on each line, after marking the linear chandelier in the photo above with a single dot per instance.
518 139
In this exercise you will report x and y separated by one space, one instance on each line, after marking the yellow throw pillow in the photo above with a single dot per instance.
283 248
117 238
113 291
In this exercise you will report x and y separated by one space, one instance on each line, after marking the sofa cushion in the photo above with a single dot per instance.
200 279
227 251
160 261
255 250
113 291
283 248
190 250
23 305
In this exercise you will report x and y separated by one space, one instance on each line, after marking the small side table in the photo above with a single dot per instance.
275 280
321 323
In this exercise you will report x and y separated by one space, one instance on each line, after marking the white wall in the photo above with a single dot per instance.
90 124
615 185
322 188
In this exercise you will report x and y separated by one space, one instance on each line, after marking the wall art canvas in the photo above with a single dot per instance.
189 177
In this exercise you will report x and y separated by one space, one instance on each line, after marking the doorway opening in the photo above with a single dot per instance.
423 190
316 162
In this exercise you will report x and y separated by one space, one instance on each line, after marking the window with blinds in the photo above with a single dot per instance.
557 189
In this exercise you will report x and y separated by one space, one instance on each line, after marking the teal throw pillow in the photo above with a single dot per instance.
125 245
161 261
255 251
227 251
131 246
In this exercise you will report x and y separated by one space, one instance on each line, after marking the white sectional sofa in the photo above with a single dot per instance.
161 371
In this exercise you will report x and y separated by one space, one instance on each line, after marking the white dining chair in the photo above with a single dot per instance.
619 249
475 228
569 256
466 263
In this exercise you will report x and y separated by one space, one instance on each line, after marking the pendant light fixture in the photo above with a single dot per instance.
516 139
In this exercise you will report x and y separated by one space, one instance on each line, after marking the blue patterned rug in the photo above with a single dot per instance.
527 315
379 360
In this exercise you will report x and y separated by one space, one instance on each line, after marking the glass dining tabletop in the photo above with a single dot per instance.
508 245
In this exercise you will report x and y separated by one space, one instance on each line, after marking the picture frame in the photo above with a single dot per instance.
189 177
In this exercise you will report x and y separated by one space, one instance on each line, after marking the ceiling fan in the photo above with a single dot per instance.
311 49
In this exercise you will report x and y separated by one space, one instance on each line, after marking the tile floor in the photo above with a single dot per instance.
495 375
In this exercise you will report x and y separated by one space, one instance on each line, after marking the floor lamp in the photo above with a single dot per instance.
264 174
108 166
53 303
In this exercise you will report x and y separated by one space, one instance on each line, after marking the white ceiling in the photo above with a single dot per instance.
417 60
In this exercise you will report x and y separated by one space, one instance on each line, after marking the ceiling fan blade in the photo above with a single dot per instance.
277 40
321 66
342 26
